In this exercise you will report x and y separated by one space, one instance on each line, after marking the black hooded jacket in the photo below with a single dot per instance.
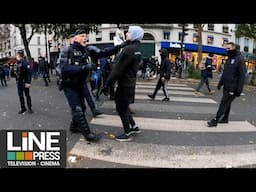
126 66
233 76
165 68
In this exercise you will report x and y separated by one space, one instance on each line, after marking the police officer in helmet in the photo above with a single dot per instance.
74 67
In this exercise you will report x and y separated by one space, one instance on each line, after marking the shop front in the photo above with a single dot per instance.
191 52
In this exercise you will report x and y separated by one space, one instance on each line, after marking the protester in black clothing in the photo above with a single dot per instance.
124 72
165 74
232 80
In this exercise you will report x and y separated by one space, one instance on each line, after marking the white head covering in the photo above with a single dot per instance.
137 33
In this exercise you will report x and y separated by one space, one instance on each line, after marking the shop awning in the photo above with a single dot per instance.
194 47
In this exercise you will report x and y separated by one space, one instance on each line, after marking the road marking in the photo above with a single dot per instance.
178 99
168 87
175 124
154 84
162 156
171 92
142 107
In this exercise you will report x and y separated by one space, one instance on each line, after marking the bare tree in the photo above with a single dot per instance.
200 43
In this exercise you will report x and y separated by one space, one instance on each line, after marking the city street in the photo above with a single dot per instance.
174 134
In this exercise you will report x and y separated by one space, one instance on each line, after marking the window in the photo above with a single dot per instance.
254 44
1 46
14 41
254 47
111 36
195 38
5 47
210 39
225 29
180 36
39 52
38 40
210 27
166 35
237 41
98 36
246 44
224 41
9 44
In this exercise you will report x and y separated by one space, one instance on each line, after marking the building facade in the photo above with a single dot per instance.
214 37
9 46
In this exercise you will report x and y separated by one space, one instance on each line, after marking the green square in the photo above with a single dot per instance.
11 156
20 156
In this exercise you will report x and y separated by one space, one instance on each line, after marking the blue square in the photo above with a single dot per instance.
11 156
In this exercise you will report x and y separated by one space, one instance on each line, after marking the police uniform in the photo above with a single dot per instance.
232 80
74 68
23 77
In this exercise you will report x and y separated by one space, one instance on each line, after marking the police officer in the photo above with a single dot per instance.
232 80
23 79
74 68
124 72
86 91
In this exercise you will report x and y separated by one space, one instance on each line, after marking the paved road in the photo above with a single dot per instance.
174 133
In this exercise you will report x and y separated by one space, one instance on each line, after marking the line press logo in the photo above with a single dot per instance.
33 148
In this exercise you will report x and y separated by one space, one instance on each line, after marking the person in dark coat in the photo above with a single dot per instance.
23 79
232 80
124 72
206 73
165 74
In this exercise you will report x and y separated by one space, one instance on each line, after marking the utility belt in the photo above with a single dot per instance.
70 82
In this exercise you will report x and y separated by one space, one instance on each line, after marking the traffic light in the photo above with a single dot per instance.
184 29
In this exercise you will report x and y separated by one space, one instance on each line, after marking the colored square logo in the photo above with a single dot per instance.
28 155
19 155
24 134
11 156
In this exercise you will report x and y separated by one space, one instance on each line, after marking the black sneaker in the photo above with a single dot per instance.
22 111
166 99
133 131
30 111
96 112
151 97
212 123
123 137
223 121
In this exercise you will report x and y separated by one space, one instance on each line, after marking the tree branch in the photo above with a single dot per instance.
31 35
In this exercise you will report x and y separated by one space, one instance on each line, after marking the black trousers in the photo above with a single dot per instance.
21 89
162 84
225 105
123 97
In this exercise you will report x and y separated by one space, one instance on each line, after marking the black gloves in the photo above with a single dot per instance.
93 49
